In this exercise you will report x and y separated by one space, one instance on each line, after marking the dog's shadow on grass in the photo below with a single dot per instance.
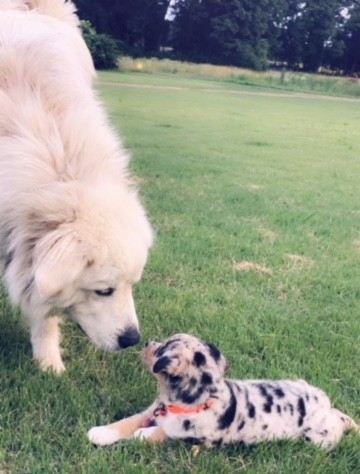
14 339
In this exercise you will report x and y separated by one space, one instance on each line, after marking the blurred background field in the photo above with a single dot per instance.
279 79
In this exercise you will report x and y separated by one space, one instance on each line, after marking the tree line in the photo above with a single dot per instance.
305 35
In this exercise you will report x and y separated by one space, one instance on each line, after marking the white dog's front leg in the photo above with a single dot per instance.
45 339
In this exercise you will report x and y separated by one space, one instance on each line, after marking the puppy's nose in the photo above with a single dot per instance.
128 338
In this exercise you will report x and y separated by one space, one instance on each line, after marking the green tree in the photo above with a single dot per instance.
320 20
307 30
233 32
140 24
190 30
351 39
103 48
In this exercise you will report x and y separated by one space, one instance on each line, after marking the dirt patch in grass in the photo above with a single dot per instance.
256 187
300 262
356 244
246 266
268 235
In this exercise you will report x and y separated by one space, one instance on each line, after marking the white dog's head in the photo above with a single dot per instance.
86 266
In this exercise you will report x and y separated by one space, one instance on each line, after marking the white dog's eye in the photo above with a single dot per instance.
107 292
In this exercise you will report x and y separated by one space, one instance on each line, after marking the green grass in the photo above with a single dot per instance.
227 178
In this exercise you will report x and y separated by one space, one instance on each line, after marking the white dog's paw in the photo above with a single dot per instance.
144 433
103 435
51 363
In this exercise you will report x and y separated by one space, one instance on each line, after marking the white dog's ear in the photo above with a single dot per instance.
61 258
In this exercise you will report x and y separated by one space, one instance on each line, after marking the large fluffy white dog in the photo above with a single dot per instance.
73 234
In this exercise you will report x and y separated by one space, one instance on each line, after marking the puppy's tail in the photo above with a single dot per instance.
352 425
349 423
63 10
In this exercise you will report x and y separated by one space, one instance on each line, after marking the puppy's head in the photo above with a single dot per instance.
187 368
87 265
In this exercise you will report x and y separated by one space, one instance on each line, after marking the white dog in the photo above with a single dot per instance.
197 404
74 237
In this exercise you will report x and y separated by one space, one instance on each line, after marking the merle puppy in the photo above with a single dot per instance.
196 403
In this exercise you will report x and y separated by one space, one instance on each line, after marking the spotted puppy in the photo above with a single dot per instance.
196 403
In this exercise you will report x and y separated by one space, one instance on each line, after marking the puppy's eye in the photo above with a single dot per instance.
107 292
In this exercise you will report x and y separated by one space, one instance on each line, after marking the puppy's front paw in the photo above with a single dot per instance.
103 435
152 434
145 433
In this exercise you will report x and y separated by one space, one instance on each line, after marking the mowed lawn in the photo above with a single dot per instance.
255 201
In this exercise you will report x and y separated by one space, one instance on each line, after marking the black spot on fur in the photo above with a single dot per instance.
199 359
206 379
188 396
268 405
290 407
161 364
192 382
269 398
9 258
164 347
251 410
174 380
265 427
214 351
217 442
278 409
262 389
228 416
302 411
194 441
187 425
241 425
279 393
249 406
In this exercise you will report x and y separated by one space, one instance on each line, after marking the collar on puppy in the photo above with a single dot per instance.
163 409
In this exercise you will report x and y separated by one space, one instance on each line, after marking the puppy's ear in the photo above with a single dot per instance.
162 365
214 351
60 259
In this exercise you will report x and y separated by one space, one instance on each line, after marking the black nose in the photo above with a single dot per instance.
128 338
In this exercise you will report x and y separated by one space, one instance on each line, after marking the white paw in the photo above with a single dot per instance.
51 363
144 433
103 435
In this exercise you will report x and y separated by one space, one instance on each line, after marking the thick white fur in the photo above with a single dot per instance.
70 220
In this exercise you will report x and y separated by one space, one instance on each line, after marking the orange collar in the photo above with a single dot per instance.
163 410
